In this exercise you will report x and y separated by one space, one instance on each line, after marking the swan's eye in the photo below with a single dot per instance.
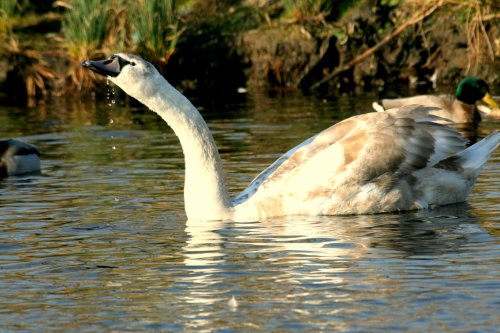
132 63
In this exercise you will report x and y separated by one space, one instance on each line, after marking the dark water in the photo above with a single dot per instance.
99 242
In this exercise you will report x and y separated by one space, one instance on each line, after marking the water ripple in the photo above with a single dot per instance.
99 242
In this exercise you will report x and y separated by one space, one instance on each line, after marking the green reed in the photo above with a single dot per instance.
7 7
306 9
84 25
155 28
7 10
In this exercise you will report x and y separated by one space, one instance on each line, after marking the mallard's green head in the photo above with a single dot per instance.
471 89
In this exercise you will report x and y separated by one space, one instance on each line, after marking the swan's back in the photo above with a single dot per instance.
364 164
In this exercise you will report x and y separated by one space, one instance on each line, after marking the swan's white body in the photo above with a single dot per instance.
371 163
18 158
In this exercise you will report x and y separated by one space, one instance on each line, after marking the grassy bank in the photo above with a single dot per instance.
43 42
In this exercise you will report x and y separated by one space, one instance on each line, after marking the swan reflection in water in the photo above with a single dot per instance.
227 258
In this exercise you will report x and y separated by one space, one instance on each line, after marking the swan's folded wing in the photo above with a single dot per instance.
292 161
358 151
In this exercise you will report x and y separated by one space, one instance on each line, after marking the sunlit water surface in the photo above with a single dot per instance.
99 241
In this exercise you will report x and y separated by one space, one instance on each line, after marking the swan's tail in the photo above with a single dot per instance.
476 155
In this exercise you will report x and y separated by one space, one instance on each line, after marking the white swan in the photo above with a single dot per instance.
17 158
376 162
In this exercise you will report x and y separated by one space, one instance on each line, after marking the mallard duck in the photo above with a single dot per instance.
460 108
371 163
17 158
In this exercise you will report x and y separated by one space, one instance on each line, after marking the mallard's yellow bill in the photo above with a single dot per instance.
489 100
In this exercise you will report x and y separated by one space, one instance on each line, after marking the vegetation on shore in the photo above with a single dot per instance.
306 43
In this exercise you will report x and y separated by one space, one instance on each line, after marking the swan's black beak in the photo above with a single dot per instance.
108 67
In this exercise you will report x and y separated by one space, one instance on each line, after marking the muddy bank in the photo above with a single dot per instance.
433 47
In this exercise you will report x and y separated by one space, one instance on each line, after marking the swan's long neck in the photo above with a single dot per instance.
205 193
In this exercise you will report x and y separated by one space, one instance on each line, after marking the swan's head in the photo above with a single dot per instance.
131 73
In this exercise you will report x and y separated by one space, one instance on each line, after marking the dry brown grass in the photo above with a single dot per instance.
472 17
480 47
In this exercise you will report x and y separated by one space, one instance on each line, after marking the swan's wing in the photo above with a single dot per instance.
287 159
412 135
358 150
297 157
